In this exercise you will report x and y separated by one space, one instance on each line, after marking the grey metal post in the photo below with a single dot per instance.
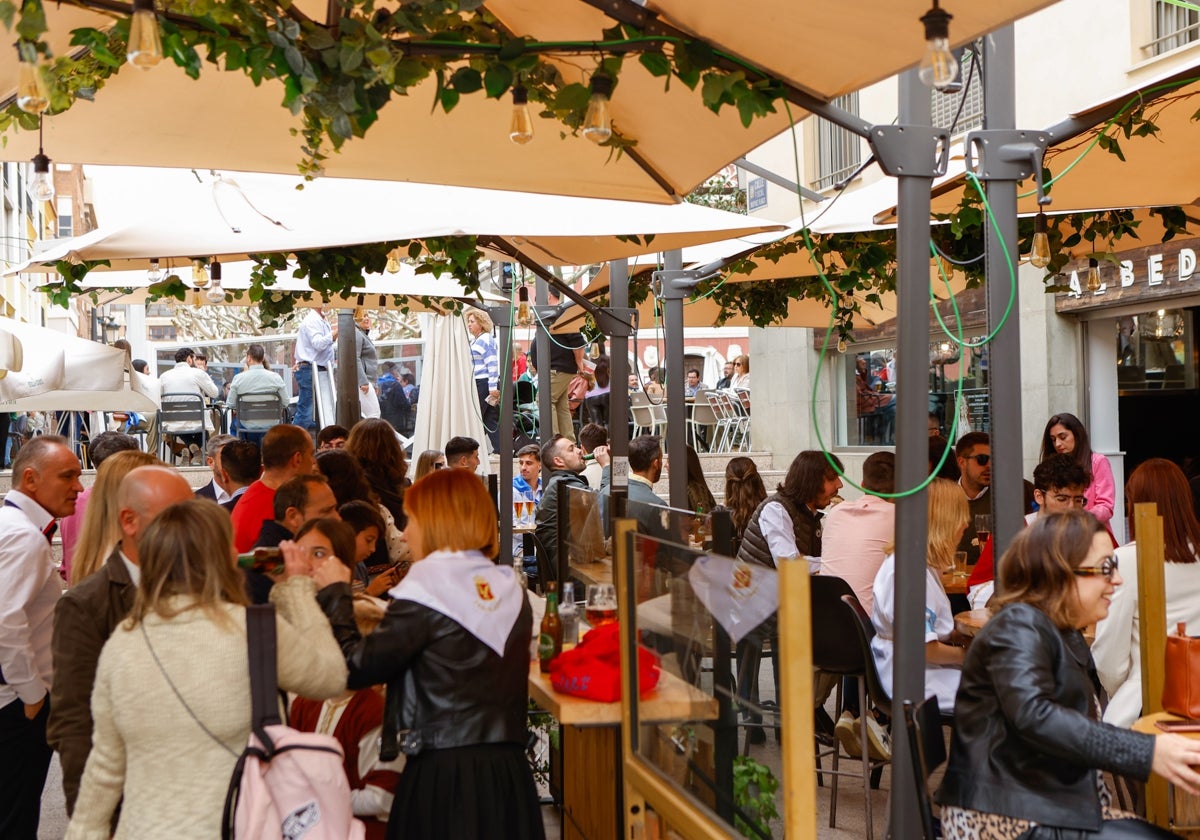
348 410
541 338
676 442
502 322
911 157
1005 349
618 351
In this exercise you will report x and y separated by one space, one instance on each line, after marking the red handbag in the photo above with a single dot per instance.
592 669
1181 676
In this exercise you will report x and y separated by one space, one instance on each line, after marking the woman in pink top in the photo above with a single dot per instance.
1065 435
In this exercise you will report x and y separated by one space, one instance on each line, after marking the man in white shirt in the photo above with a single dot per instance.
45 485
314 352
186 378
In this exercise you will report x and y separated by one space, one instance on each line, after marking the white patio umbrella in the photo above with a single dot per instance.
449 404
11 353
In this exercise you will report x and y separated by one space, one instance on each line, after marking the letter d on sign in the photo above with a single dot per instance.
1187 263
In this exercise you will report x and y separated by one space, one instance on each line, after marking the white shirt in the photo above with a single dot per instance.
1117 649
941 680
314 342
185 379
29 591
780 534
135 571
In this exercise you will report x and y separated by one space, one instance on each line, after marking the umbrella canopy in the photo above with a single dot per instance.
449 404
11 353
679 141
231 218
72 373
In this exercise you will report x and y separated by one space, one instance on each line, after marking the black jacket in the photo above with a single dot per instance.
1026 739
452 688
547 512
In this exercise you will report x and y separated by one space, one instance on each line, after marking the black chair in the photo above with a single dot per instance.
927 750
836 649
262 410
180 410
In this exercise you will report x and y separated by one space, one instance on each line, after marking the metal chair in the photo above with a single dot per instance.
702 417
719 405
927 750
261 410
644 420
180 410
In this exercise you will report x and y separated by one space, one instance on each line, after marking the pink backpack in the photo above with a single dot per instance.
287 785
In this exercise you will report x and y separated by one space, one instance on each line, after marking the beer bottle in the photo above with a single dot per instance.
267 560
550 637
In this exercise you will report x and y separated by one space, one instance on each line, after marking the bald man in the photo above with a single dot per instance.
88 613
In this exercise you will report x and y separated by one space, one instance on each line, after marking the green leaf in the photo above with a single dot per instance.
294 58
512 49
31 24
700 54
573 97
7 10
657 63
448 98
497 80
351 57
319 38
466 80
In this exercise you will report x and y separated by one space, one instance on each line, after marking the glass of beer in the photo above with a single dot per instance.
601 605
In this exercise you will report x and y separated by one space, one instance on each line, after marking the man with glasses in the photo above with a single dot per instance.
1059 485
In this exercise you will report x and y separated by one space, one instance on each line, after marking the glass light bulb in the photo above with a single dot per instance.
1039 250
154 273
597 123
938 68
841 345
1093 275
41 186
594 351
520 130
393 263
199 274
215 294
32 97
145 43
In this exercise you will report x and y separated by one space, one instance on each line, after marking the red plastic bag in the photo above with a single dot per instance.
592 669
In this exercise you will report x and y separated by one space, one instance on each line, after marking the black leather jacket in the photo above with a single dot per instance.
1026 739
451 687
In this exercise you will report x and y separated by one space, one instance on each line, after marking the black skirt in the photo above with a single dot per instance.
469 793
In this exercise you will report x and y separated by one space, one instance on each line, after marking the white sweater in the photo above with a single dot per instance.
145 745
1117 649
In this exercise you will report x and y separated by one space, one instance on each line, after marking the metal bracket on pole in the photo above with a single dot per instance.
677 284
904 149
1008 155
611 321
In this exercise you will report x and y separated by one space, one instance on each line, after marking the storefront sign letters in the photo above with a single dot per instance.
1154 273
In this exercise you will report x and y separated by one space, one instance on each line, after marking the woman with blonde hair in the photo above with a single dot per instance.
453 649
428 461
172 695
101 529
947 518
485 360
741 372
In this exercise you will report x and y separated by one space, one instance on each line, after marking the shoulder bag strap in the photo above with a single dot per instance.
260 640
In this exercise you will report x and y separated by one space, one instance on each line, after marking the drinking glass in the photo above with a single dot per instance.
983 527
601 605
518 509
960 564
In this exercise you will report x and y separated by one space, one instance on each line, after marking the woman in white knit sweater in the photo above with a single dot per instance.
172 695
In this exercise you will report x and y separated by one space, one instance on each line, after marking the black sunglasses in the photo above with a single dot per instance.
1107 566
981 460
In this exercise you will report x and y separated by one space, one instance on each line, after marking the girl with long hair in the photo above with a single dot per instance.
1066 435
373 442
101 530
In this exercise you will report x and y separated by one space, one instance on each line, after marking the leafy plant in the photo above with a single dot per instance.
754 787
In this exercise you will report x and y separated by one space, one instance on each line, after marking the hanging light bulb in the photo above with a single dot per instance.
524 316
938 68
32 97
215 293
42 184
1039 252
594 350
520 130
145 44
393 261
841 345
199 274
597 124
154 273
1093 275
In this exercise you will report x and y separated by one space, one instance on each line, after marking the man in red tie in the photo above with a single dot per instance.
45 482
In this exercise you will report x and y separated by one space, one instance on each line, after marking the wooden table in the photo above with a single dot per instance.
1183 809
969 623
598 571
592 786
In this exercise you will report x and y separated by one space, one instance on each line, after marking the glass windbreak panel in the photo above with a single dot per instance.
583 542
1155 351
685 725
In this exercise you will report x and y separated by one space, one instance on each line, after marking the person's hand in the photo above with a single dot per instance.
603 458
364 388
384 581
334 329
32 709
1176 759
327 570
295 560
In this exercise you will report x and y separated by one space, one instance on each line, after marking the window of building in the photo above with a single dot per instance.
839 152
1174 26
944 106
867 393
159 310
1154 351
163 333
66 224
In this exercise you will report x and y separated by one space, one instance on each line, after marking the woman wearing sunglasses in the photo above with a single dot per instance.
1028 745
1066 435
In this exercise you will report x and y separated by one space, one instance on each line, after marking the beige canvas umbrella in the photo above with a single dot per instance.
163 118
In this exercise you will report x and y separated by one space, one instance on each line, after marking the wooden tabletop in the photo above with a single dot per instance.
672 700
969 623
598 571
1148 723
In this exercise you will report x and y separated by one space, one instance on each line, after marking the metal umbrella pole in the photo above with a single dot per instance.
676 442
502 322
348 411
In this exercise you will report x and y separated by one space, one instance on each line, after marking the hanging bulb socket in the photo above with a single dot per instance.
597 123
32 95
154 273
520 130
214 271
145 43
524 315
42 185
215 294
199 274
938 68
1093 275
1039 251
393 261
